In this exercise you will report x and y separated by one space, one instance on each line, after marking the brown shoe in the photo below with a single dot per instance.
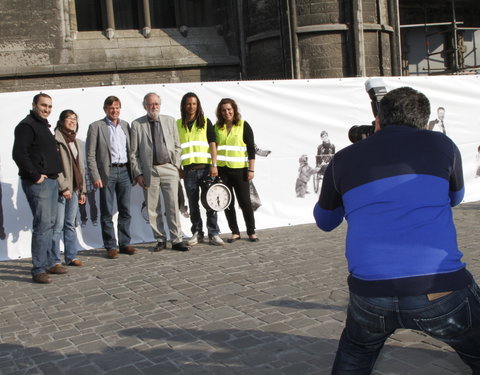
76 263
41 278
112 253
57 269
130 250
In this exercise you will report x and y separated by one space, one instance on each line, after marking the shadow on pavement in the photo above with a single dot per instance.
219 351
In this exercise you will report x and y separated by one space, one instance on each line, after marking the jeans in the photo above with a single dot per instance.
65 223
93 208
42 199
193 180
118 185
453 319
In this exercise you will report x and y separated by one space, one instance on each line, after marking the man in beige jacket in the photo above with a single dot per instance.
155 155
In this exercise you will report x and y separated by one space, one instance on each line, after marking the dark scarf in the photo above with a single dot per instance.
77 175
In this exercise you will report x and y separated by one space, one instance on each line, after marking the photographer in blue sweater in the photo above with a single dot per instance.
396 189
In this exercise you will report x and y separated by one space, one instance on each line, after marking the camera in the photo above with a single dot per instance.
376 89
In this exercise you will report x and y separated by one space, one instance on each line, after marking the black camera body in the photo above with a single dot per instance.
376 89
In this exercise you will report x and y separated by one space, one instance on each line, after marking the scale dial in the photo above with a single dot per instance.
218 197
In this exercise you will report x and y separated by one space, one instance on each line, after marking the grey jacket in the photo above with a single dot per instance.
141 152
99 156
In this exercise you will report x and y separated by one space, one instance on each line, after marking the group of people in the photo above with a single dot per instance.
155 152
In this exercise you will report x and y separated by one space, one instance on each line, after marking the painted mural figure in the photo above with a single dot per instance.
477 173
438 124
325 152
92 203
3 235
254 197
304 174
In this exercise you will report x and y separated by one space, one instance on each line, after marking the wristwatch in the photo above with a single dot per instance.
216 195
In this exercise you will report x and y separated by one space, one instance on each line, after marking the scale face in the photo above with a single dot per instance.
216 197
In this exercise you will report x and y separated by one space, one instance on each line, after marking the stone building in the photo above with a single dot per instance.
47 44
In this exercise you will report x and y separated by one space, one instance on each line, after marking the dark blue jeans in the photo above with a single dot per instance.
193 180
119 186
65 229
453 319
43 201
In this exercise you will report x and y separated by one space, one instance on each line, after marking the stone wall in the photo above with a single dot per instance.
265 40
325 32
40 50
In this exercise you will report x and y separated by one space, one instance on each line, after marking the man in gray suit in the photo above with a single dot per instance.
155 154
108 161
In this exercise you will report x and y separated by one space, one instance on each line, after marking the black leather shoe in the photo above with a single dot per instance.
180 247
160 246
233 239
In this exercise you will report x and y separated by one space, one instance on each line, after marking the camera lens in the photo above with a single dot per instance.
359 132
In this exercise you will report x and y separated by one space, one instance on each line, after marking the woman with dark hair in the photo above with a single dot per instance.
236 164
71 186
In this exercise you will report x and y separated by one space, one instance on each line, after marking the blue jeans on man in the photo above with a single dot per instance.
42 199
453 319
119 186
193 179
67 213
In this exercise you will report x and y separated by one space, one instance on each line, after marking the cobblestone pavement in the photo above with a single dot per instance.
272 307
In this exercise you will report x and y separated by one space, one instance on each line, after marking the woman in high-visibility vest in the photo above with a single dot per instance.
236 164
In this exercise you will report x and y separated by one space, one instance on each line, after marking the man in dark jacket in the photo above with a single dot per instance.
38 161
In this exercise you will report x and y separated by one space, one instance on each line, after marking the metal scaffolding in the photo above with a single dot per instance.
454 49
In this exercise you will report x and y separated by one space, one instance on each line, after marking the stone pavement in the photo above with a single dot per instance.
272 307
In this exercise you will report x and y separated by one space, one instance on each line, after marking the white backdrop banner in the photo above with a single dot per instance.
287 118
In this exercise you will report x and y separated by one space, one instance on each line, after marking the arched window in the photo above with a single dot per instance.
111 15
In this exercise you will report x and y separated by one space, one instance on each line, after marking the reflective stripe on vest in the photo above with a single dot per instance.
231 150
194 144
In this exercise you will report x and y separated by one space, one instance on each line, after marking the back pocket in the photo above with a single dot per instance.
452 324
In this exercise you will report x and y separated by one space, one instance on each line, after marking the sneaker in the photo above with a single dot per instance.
196 238
94 223
216 240
84 224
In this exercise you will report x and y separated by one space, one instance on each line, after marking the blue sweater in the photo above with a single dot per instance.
396 189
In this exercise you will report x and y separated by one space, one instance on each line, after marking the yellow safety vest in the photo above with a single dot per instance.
194 143
231 149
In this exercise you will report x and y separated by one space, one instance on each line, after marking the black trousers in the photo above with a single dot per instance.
237 182
3 235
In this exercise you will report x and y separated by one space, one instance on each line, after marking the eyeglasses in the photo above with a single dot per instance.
71 118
